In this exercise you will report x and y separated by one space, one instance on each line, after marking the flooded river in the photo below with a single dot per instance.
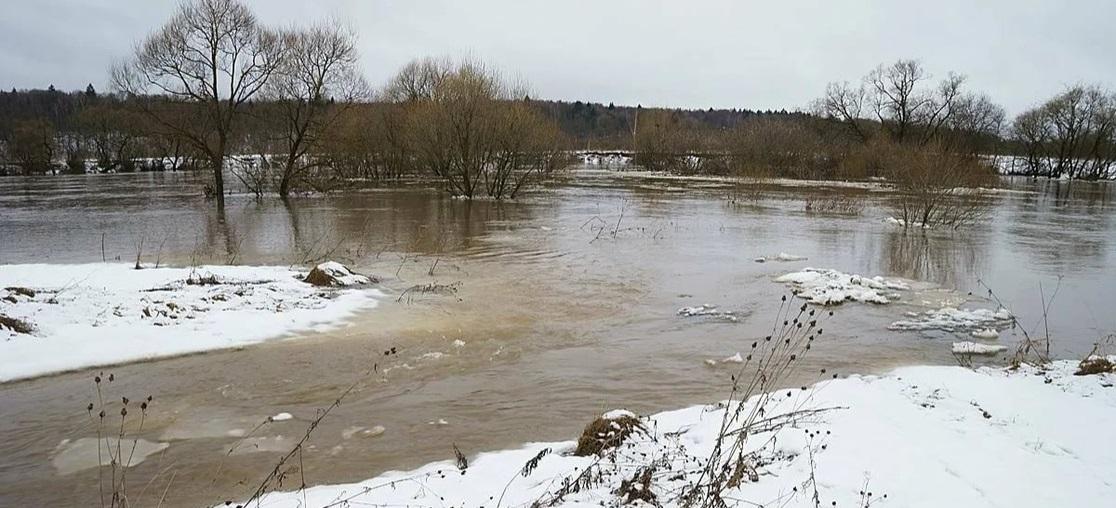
563 304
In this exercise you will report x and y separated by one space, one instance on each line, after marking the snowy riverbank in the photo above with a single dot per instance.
921 436
96 314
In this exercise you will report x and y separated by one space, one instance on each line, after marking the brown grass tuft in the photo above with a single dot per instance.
1095 365
603 434
15 325
28 292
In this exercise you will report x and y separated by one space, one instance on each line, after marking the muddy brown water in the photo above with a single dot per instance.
566 306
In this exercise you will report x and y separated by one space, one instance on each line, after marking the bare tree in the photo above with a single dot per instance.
1072 134
845 103
899 98
112 133
317 81
214 54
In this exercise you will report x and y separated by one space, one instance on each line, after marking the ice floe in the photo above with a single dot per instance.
953 319
831 287
973 348
708 310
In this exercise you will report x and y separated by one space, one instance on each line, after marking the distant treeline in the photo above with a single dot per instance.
591 125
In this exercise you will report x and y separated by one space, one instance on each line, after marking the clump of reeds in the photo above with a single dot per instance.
834 204
753 404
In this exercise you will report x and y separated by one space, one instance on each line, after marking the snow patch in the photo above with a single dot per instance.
902 223
87 315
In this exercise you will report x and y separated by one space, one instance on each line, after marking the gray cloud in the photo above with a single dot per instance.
756 54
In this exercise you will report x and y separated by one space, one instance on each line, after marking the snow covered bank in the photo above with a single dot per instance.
98 314
831 287
918 437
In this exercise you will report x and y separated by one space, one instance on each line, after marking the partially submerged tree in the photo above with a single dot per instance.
112 133
214 55
933 184
317 81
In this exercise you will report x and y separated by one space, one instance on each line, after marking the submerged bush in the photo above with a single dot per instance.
467 126
934 185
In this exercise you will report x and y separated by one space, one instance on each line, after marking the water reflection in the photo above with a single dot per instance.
943 259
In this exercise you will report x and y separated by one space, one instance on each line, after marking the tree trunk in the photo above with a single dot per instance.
219 177
285 181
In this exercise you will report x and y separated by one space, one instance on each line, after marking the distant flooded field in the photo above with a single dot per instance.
551 309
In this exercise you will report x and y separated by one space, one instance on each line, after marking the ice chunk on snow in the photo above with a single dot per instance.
953 319
972 348
831 287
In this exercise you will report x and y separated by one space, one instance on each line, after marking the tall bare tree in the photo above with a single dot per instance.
316 82
214 54
900 100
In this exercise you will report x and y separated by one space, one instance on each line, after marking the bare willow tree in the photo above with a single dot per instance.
213 54
472 129
317 81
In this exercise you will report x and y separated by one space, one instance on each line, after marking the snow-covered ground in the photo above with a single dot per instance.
917 437
831 287
96 314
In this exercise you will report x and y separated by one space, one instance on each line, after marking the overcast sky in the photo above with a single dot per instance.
754 54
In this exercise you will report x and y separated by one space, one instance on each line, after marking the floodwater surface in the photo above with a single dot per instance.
554 308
